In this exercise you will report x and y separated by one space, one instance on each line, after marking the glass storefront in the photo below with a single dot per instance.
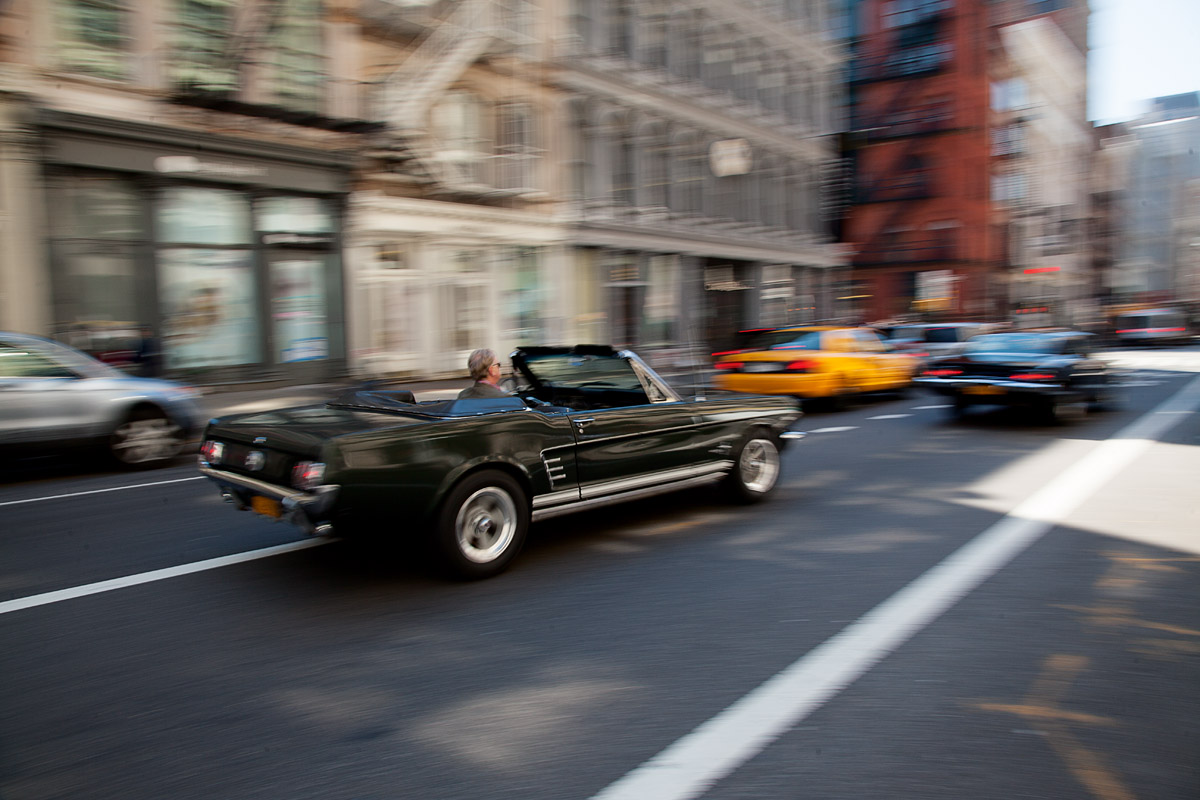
230 285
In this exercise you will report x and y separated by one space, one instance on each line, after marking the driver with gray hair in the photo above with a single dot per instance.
485 371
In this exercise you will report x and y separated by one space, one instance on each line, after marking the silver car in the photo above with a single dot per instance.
53 397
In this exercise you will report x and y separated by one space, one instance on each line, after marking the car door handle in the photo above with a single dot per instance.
581 421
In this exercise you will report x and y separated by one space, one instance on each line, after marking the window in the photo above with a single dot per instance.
655 156
460 129
20 363
201 59
622 175
94 37
515 147
295 68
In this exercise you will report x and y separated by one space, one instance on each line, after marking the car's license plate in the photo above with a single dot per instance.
985 389
760 366
267 506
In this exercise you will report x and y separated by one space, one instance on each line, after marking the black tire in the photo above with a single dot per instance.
481 525
756 467
146 438
1055 412
958 406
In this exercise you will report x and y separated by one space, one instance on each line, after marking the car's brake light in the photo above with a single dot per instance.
801 366
1032 376
308 474
212 452
728 365
941 373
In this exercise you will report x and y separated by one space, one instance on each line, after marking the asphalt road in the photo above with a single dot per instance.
927 608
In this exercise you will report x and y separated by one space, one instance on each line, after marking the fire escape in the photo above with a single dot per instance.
893 125
450 45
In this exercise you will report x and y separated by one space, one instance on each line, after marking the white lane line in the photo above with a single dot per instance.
694 764
925 408
99 491
891 416
836 430
156 575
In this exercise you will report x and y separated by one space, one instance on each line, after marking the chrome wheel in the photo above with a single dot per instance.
146 437
758 465
486 524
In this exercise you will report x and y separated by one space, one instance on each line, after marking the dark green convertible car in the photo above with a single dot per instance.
586 426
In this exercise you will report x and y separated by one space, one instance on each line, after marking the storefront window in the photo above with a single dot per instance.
298 309
465 307
191 215
662 300
209 309
95 207
524 297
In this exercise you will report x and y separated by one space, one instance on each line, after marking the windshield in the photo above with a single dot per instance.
574 370
44 358
779 340
1015 343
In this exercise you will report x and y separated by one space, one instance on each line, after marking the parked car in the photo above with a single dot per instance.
54 397
1151 326
812 362
925 340
1056 373
588 426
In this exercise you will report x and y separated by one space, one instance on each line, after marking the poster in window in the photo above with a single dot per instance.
298 310
208 305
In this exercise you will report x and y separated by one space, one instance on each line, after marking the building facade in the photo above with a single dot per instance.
968 143
299 190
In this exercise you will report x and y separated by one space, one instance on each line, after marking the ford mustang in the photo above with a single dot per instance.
586 426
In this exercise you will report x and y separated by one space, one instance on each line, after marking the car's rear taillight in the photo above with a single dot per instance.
1032 376
728 365
212 452
801 366
941 373
308 474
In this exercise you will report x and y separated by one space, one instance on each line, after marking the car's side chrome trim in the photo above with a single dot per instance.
654 478
621 497
555 498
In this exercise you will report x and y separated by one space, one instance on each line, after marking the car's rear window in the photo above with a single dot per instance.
1015 343
945 335
779 340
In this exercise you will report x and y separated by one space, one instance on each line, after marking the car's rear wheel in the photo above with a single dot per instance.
1056 411
482 525
146 438
755 468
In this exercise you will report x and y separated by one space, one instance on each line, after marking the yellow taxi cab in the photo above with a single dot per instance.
812 361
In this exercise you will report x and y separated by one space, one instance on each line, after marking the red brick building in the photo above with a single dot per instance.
927 238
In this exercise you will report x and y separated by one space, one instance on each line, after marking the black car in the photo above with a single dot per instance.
589 426
1055 373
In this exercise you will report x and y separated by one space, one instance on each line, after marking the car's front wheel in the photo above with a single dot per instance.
482 525
147 437
755 468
